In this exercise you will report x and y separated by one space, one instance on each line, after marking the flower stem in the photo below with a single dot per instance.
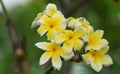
49 70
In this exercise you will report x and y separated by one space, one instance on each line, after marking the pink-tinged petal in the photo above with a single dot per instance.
60 38
43 45
45 57
51 34
78 44
67 47
98 34
42 29
106 60
96 65
56 61
88 58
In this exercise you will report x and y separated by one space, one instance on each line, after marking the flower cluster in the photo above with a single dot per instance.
67 35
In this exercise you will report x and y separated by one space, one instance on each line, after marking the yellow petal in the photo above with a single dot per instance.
106 60
96 65
103 50
67 47
87 58
98 45
71 22
51 34
56 61
60 38
78 44
45 19
103 42
60 28
43 45
42 29
95 46
79 32
88 47
58 19
98 34
85 38
65 56
51 9
36 20
45 57
90 34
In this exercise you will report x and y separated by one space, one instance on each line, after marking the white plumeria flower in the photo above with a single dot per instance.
71 39
95 40
51 21
53 51
97 58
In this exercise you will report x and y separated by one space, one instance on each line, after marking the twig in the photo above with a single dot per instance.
49 70
71 10
76 59
116 1
20 59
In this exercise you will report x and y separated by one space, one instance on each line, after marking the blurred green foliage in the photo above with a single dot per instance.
102 14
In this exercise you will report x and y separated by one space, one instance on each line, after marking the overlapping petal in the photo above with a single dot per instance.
42 29
61 38
45 57
44 45
67 47
96 65
51 9
56 61
97 58
78 44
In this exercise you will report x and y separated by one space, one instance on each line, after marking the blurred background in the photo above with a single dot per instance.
101 14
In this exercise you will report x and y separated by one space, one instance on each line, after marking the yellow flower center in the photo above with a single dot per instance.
70 37
54 49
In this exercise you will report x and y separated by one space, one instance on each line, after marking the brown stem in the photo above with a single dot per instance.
49 70
20 56
76 59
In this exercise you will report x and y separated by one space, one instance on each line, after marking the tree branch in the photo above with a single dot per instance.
49 70
71 10
20 56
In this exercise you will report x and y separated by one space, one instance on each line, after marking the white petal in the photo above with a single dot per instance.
51 9
68 56
43 45
98 34
45 57
60 38
56 61
87 58
78 44
97 67
67 47
36 22
107 60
